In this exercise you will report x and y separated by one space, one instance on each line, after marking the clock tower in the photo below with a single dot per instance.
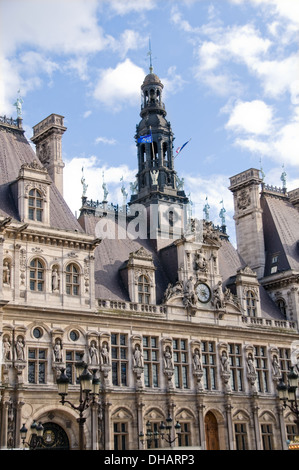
158 188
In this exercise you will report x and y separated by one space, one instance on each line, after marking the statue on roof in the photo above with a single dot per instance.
206 210
222 214
18 105
283 178
104 186
85 186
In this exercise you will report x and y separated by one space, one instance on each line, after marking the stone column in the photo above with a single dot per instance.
201 424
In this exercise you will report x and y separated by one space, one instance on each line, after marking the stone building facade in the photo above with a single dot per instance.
174 321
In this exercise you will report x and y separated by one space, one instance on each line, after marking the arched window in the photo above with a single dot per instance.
37 272
282 306
143 290
72 280
251 304
35 205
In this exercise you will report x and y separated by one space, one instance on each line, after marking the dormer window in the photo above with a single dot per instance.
143 290
282 307
251 304
35 205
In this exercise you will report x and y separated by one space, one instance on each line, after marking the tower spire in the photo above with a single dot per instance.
150 56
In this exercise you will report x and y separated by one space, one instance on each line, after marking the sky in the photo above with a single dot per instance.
230 70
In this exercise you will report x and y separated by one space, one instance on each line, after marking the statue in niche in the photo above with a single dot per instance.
55 280
6 273
20 349
200 262
57 350
250 364
93 354
276 367
224 362
168 358
6 349
137 357
105 354
196 360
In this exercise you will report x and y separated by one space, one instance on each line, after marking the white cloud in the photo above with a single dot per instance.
119 86
122 7
63 26
105 140
93 174
280 146
254 117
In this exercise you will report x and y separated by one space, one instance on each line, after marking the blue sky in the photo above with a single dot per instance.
230 70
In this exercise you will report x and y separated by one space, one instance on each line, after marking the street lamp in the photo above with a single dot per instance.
89 386
287 394
36 435
164 432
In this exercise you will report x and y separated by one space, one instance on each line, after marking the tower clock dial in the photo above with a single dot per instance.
203 293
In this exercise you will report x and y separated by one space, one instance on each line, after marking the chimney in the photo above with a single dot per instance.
47 136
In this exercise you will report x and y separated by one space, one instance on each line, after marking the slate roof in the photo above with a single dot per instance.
111 255
281 232
14 151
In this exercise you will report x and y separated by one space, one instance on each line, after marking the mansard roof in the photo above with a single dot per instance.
111 255
15 151
281 232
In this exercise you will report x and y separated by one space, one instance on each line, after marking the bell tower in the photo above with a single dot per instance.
157 182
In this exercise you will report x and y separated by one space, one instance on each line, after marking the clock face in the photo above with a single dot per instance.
203 293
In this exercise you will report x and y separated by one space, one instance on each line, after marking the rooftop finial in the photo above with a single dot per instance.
150 56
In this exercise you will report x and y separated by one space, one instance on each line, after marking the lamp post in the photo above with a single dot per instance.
287 394
164 432
89 389
36 435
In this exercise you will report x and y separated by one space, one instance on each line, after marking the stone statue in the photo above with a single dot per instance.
189 293
6 273
55 280
224 362
154 175
276 367
200 262
168 358
218 296
6 349
180 183
222 215
137 357
134 187
57 350
93 354
206 210
20 349
196 360
250 364
18 105
105 354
